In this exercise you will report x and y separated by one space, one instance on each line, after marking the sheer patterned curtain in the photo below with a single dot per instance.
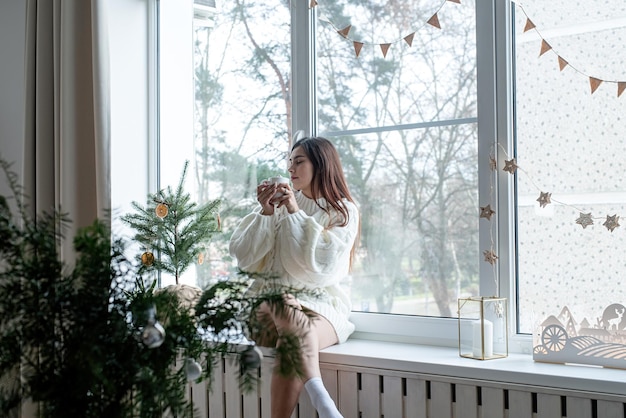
67 133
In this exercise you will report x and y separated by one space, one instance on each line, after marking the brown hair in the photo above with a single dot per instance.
329 181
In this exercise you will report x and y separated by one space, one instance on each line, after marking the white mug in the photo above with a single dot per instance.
278 180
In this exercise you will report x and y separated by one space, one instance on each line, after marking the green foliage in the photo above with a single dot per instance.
176 238
71 337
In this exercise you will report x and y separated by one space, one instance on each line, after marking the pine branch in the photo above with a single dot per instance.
183 229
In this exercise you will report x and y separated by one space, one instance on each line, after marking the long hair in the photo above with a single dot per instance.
329 181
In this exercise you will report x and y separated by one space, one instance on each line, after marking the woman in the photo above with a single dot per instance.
305 235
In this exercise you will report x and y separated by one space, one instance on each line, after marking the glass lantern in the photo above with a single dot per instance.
483 328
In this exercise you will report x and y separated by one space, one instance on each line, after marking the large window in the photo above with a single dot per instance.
403 118
420 98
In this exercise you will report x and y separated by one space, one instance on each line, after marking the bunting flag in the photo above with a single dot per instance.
545 47
529 25
357 48
344 32
384 48
455 1
434 21
621 85
409 39
562 63
595 83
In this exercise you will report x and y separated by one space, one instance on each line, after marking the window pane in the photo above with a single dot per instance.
240 99
417 191
242 75
414 170
434 79
570 143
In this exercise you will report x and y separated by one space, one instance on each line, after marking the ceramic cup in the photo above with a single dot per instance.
278 180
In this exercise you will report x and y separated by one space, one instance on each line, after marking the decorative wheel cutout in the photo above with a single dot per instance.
554 338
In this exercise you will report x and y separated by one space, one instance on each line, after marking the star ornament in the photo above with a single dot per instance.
584 220
611 222
486 212
490 256
510 166
544 199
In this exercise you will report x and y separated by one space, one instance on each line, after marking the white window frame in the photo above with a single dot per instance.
495 115
494 67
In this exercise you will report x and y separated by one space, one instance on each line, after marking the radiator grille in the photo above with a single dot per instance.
378 393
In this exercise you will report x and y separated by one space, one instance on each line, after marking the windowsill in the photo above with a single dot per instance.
445 361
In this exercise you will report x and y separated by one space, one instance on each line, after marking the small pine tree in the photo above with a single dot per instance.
173 229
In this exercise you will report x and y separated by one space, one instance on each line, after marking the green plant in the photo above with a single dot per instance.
93 339
172 228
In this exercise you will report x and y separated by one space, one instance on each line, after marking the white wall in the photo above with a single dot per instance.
12 34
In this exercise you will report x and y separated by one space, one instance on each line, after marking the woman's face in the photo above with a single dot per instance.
301 171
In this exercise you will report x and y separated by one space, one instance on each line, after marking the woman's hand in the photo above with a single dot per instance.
287 199
264 193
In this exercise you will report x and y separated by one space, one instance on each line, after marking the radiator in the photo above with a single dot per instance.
377 393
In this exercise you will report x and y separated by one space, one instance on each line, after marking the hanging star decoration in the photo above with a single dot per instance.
490 256
611 222
584 220
486 212
544 199
510 166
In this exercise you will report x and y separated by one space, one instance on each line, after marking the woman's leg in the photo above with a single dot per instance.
315 333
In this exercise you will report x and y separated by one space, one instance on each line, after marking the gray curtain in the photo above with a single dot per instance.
67 133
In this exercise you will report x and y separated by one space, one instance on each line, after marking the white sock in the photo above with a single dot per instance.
320 399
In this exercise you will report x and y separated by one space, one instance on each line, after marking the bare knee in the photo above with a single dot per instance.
262 327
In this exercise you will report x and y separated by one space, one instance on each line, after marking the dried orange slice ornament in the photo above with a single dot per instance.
161 210
147 258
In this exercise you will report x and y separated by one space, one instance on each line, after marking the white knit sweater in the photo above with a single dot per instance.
303 254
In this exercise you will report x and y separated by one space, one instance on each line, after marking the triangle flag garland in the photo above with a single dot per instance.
545 46
433 21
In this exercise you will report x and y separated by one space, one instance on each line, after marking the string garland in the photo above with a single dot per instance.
585 219
594 82
384 46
